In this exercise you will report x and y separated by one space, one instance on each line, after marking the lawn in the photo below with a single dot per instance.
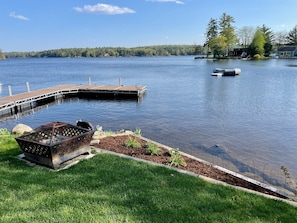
108 188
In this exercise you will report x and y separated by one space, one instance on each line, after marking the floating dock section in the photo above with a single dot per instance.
14 104
226 72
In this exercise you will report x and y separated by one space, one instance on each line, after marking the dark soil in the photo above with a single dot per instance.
117 144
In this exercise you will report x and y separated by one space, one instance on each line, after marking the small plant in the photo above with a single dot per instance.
152 148
176 158
4 131
137 132
99 131
132 143
93 151
109 133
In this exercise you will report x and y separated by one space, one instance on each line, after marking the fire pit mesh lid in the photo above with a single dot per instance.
53 132
55 143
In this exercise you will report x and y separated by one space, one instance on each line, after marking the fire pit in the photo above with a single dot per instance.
55 143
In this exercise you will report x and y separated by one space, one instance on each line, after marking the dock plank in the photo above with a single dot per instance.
36 93
9 102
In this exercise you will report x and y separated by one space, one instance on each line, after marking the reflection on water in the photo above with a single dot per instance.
32 110
245 123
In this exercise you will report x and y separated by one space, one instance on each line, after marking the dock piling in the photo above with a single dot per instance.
28 86
9 90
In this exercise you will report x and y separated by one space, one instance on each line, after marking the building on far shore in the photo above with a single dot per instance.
238 52
287 52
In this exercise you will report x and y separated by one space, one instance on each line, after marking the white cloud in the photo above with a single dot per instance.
12 14
175 1
104 9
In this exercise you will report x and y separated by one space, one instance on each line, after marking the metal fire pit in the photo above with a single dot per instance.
55 143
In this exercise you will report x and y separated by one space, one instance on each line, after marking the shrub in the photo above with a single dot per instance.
152 148
132 143
137 132
93 151
176 158
4 131
257 56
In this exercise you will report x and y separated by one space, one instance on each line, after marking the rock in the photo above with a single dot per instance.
128 132
21 129
94 142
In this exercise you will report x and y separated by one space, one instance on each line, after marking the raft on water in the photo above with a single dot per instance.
226 72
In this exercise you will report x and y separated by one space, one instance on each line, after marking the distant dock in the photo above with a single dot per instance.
18 103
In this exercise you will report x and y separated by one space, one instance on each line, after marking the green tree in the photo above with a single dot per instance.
292 36
227 30
212 31
269 38
198 50
218 45
2 56
162 50
257 45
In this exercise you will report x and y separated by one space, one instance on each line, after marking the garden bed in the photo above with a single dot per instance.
118 144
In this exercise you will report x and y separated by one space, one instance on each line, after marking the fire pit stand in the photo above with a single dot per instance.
55 143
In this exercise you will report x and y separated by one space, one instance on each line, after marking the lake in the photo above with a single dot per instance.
245 123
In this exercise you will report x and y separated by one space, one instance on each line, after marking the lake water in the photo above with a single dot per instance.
245 123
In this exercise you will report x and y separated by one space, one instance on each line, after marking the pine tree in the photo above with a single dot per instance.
211 32
227 30
292 36
269 38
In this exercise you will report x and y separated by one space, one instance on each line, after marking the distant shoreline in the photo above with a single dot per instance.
162 50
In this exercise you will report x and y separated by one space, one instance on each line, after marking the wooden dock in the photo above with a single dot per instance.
14 104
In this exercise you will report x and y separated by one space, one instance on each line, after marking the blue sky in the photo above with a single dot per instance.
35 25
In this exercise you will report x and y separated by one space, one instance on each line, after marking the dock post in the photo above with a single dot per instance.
120 81
89 81
28 86
9 90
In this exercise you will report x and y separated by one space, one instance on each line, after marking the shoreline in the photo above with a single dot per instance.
226 171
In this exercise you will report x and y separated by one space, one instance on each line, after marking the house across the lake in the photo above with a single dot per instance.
238 52
287 52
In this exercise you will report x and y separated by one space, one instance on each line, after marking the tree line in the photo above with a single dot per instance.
164 50
2 56
221 40
222 37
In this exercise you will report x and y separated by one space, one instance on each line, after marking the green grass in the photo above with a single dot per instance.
108 188
8 146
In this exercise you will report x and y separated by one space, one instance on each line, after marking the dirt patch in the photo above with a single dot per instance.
117 144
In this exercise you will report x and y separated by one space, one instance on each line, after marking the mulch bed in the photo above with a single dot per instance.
117 144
